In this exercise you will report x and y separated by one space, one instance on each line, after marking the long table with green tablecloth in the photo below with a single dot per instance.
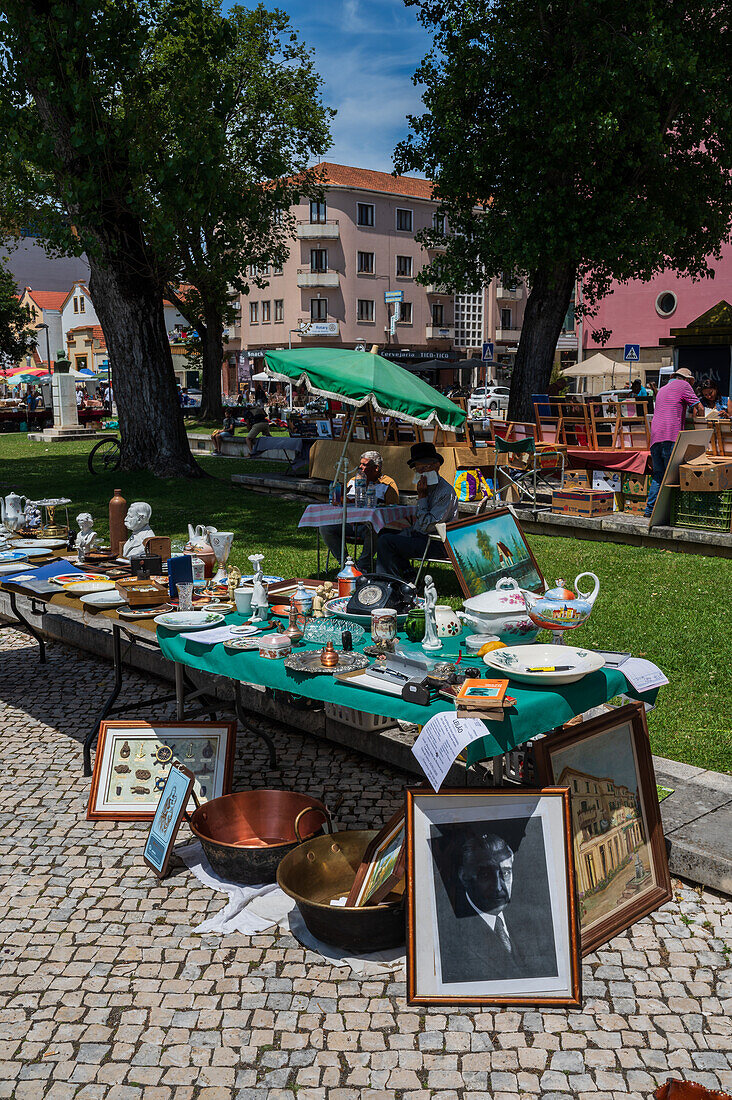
537 710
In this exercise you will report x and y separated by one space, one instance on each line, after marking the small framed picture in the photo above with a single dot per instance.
491 899
168 815
488 548
133 760
619 849
382 867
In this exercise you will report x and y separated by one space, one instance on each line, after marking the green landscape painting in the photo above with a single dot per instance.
491 548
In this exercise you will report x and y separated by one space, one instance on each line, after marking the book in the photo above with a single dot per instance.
482 694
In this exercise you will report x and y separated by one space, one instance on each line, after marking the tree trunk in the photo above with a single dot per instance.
212 348
551 293
150 418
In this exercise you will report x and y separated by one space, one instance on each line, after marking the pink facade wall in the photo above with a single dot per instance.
630 310
386 242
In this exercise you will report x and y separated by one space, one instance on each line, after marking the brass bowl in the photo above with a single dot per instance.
246 834
323 869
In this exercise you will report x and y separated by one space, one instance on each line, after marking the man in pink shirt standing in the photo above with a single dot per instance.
669 417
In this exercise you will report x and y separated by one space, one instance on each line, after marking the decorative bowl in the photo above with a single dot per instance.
85 588
570 664
188 620
331 630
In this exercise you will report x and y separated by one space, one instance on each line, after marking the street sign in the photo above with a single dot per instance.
320 328
632 353
393 296
487 356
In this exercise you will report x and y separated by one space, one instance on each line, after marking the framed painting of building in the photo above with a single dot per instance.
619 850
486 548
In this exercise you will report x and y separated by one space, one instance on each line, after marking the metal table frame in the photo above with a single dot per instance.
23 623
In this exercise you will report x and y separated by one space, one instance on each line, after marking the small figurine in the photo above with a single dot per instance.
431 642
137 522
318 602
260 603
233 581
87 540
328 591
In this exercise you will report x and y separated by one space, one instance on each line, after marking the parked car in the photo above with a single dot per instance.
490 398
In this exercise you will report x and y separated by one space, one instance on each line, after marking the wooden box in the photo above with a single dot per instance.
577 479
577 502
636 485
706 474
141 592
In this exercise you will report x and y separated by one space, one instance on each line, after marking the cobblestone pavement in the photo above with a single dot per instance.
104 991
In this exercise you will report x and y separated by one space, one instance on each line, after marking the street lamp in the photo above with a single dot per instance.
48 345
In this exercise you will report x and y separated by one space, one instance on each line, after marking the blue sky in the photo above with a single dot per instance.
366 52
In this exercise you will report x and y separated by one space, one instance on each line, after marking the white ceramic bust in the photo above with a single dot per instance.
87 539
137 522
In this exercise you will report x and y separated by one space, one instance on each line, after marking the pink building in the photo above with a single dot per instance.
351 251
648 313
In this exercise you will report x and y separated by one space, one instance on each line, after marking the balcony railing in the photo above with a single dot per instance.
318 231
435 288
509 293
306 277
440 332
508 335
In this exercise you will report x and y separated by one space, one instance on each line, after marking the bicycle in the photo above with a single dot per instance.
105 456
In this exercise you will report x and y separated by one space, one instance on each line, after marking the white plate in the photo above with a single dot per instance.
336 609
516 662
189 620
103 599
85 588
36 552
29 544
69 578
7 557
245 631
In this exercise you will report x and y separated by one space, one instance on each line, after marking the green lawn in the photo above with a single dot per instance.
672 608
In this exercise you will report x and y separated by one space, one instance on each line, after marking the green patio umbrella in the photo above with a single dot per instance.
360 378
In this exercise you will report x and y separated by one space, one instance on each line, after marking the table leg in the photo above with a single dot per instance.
28 628
92 735
180 700
239 710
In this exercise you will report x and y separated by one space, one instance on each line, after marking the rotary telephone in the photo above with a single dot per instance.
376 590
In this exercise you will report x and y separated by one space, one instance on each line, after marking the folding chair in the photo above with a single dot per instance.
533 476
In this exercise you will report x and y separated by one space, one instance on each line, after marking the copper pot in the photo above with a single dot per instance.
245 835
324 868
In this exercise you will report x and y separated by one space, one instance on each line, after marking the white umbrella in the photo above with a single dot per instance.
262 376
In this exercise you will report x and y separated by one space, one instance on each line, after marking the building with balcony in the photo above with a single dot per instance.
346 253
607 827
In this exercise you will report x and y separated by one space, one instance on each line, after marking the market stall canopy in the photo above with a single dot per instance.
599 364
262 376
361 378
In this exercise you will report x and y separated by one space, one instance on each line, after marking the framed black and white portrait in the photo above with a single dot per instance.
491 896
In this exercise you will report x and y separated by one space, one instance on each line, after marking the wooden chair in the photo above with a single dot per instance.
603 429
548 427
632 433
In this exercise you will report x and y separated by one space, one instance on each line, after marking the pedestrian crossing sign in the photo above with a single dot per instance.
632 353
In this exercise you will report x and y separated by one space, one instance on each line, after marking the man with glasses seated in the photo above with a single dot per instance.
386 492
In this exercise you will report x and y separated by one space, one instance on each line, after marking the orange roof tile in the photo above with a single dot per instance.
363 179
47 299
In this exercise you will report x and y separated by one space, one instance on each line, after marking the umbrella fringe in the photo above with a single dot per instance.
304 380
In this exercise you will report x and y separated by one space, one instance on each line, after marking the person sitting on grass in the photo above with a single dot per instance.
218 435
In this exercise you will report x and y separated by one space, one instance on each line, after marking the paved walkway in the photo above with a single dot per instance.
104 991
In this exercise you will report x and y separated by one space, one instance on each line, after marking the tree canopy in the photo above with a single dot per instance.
573 138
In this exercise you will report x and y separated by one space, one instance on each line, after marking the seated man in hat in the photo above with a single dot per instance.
370 467
436 503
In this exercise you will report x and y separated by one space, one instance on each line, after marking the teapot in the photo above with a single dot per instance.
12 512
198 536
560 608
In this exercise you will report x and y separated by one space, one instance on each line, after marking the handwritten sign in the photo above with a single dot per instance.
441 741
